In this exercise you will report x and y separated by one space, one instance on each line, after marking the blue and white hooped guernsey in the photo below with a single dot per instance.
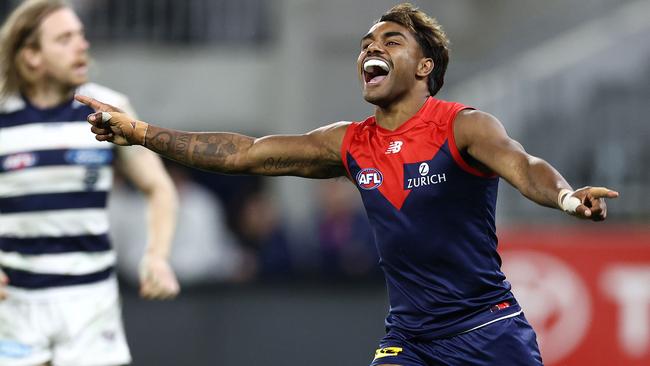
54 182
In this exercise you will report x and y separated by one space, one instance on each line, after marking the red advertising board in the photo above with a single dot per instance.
586 292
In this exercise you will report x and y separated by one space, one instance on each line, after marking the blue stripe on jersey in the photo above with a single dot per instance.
41 158
53 201
51 245
25 279
59 114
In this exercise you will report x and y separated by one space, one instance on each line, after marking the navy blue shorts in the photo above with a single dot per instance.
507 342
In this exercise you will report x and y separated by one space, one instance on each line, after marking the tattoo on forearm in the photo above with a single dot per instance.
213 149
315 168
201 150
160 142
181 146
170 144
280 163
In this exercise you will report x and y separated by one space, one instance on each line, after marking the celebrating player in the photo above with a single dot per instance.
427 171
60 294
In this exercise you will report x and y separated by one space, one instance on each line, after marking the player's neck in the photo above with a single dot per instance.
394 115
47 94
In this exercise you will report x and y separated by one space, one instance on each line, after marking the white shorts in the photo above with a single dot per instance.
71 326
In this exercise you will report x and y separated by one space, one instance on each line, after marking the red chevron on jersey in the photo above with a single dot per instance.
382 154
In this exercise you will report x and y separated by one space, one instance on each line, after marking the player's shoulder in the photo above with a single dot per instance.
440 109
332 128
475 116
368 122
11 103
472 126
106 95
358 130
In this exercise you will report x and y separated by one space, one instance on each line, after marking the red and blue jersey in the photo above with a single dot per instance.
433 219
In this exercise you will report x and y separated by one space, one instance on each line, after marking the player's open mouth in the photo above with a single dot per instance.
375 70
80 66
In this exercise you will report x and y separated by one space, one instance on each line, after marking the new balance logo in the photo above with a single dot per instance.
394 147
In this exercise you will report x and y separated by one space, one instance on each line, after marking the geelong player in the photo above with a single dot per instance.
427 171
60 298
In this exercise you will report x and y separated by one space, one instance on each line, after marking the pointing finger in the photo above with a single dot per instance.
91 102
95 104
602 192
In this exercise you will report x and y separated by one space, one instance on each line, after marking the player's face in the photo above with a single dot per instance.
63 54
388 62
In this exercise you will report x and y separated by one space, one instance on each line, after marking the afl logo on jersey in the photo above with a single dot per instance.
369 178
19 161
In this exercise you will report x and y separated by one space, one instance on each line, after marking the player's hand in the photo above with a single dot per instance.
592 202
157 279
112 124
4 281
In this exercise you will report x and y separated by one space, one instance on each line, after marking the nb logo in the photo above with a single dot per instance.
369 178
394 147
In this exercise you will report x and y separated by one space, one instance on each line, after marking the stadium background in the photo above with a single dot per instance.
281 271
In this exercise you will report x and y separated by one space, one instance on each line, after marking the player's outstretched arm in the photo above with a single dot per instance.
313 155
482 139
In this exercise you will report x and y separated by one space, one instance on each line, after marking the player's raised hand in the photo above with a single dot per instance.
157 279
587 202
112 124
4 280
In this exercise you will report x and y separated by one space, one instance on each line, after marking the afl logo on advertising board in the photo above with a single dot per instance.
369 178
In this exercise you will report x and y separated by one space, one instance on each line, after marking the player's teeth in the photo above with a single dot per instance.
369 64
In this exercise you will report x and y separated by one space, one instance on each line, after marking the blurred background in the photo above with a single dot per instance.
283 271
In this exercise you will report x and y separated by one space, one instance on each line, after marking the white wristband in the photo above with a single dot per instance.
567 202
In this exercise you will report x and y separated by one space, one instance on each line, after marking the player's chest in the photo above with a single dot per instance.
395 168
42 158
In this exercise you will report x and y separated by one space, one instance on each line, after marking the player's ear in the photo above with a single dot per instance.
31 56
425 67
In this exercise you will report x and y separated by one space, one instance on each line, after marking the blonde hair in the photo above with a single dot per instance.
19 31
430 36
